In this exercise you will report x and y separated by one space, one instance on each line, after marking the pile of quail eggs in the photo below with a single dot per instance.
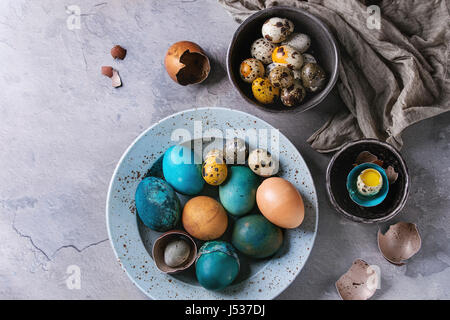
280 66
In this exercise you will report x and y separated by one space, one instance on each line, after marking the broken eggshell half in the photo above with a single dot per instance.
400 242
186 63
359 283
160 245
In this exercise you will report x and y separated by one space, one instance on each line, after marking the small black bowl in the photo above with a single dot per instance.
342 163
323 48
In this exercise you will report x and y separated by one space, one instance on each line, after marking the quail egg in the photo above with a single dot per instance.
313 77
281 77
298 41
289 56
251 69
277 29
264 91
293 95
369 182
214 170
262 163
308 58
262 50
270 68
176 253
235 151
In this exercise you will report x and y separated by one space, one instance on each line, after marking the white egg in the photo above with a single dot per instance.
298 41
262 50
277 29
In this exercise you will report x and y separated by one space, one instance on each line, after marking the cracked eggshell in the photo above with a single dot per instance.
359 283
289 56
251 69
186 63
299 41
400 242
277 29
160 246
262 49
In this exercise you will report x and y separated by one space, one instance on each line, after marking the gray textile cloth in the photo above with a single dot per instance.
389 78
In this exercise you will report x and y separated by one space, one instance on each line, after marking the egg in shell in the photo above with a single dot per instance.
313 77
289 56
237 193
251 69
293 95
264 91
217 265
277 29
280 202
308 58
281 77
262 163
270 67
157 204
181 171
299 41
214 170
236 151
262 49
255 236
204 218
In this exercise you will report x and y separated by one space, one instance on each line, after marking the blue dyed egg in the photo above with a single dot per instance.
157 204
217 265
256 236
238 193
181 172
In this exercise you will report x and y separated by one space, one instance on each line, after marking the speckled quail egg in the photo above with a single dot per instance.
236 151
270 68
293 95
313 77
277 29
251 69
262 163
281 77
289 56
308 58
298 41
214 170
262 50
264 91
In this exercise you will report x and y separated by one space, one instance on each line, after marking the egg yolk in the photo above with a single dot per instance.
371 177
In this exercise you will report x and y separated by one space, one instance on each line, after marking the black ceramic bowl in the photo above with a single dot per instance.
342 163
323 48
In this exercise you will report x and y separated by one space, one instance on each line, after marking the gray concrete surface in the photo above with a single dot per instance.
63 128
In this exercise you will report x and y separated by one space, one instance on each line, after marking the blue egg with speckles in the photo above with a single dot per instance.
157 204
217 265
238 193
256 236
181 171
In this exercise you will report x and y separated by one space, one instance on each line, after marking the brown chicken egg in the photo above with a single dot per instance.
186 63
280 202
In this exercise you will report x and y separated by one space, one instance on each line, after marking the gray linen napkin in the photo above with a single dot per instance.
390 77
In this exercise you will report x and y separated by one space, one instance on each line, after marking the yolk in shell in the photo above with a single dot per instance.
371 177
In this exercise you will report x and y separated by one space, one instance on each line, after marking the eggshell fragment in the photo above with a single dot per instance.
400 242
186 63
118 52
116 81
107 71
280 202
359 283
391 174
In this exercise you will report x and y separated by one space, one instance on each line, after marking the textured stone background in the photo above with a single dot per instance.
63 128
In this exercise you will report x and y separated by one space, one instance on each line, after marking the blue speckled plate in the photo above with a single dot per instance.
132 242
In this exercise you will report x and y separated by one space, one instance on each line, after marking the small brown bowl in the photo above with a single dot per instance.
160 245
323 47
342 163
